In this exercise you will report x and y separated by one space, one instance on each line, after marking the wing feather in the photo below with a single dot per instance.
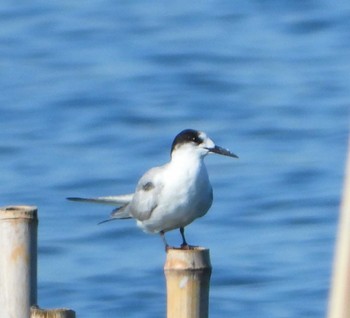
116 200
146 197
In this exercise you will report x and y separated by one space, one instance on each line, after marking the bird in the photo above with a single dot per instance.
173 195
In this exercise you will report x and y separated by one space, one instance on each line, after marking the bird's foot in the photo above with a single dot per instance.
185 246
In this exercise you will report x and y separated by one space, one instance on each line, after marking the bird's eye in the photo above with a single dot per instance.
196 140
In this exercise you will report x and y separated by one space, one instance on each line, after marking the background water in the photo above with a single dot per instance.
92 94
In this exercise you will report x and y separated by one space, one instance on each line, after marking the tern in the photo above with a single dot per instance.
173 195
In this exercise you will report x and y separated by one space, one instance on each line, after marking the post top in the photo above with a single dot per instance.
196 258
52 313
19 212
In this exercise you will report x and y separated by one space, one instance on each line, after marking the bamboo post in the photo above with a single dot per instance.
52 313
339 304
18 267
187 275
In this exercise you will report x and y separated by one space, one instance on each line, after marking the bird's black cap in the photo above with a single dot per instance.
185 136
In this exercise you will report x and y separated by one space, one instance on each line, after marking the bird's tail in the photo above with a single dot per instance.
120 200
116 200
118 214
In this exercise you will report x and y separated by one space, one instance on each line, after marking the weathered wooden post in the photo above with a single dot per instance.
187 275
18 260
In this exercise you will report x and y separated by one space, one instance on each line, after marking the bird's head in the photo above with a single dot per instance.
197 143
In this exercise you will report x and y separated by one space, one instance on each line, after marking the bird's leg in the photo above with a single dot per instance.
184 244
162 234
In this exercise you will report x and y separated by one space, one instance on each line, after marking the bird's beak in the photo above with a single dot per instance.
222 151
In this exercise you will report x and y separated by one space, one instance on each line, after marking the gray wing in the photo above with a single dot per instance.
116 200
146 197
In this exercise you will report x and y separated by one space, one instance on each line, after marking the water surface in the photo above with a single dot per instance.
93 94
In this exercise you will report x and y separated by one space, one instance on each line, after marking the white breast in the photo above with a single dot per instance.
186 195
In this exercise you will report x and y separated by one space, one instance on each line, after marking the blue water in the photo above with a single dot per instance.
92 94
